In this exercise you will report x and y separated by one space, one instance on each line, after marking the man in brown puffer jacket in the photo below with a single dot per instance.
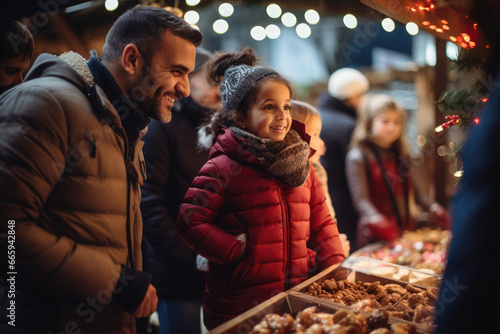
70 170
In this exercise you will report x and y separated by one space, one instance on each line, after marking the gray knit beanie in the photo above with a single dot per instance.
237 82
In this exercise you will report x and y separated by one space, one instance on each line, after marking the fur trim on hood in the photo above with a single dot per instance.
80 65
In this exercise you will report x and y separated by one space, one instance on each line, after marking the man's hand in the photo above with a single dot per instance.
149 303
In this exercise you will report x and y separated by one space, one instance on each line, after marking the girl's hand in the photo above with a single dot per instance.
346 245
440 216
243 239
378 227
201 263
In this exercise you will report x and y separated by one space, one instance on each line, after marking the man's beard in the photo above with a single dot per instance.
149 101
151 106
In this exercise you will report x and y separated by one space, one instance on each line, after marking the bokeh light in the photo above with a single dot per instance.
303 30
388 24
311 16
288 19
273 31
350 21
192 17
226 9
258 33
273 10
192 2
220 26
412 28
111 5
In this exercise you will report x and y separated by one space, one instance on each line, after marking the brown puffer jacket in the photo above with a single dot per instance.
71 188
290 233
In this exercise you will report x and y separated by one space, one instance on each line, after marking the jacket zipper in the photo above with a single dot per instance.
286 241
128 161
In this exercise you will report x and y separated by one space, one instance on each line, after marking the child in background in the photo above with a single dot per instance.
16 50
307 114
378 178
254 210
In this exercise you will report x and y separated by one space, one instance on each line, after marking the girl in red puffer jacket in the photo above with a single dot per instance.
256 210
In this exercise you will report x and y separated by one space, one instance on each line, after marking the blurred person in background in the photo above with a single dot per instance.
16 50
307 114
379 180
337 107
173 160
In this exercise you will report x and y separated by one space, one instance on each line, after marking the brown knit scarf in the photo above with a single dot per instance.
287 160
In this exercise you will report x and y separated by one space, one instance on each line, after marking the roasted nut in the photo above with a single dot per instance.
395 288
401 328
417 316
432 292
413 289
370 288
397 314
339 315
330 285
381 331
414 300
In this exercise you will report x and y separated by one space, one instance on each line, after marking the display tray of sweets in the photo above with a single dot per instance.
424 249
295 313
393 271
360 291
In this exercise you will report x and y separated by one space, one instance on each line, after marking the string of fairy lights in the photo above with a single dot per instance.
287 19
274 11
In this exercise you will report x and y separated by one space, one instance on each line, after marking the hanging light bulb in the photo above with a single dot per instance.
226 9
388 24
111 5
192 17
288 19
350 21
273 31
303 30
412 28
258 33
273 10
311 16
220 26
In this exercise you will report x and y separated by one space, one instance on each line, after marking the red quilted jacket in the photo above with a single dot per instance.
290 233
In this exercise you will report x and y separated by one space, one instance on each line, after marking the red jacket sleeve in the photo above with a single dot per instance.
324 240
197 220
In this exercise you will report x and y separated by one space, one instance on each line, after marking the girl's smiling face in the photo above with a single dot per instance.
269 115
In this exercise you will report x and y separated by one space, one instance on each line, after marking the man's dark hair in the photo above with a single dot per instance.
15 40
145 27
